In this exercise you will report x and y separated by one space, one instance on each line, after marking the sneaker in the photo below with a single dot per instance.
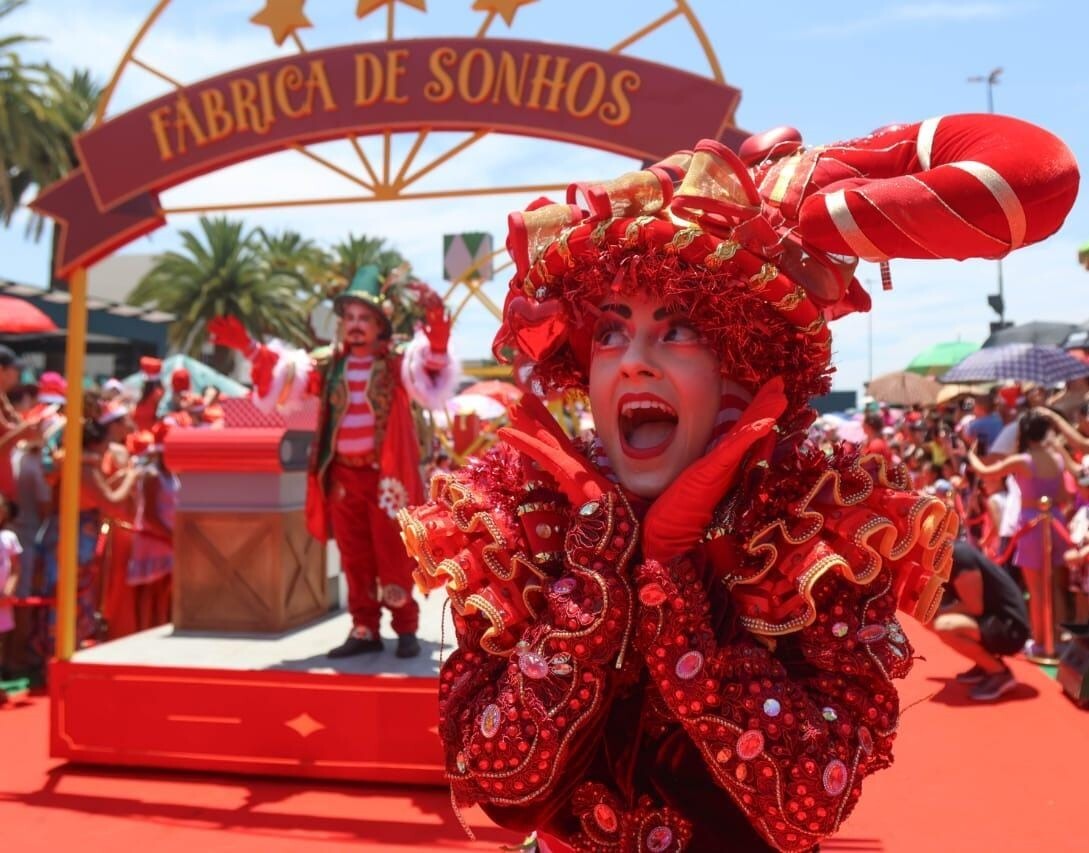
993 686
972 676
407 646
1034 649
358 643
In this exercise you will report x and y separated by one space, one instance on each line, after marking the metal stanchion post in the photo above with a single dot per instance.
1048 639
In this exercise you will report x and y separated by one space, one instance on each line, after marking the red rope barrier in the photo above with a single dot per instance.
29 601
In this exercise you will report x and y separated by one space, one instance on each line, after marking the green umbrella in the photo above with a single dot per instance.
1083 256
939 358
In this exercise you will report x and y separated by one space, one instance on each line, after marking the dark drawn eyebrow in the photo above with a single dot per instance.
667 312
616 308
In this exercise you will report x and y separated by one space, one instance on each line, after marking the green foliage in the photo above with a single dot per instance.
41 110
271 281
221 272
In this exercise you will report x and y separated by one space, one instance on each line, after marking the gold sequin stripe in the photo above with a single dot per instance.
723 252
538 506
769 553
633 233
805 588
497 627
684 237
791 301
421 552
768 272
600 232
869 647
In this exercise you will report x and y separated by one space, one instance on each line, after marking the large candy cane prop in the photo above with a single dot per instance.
962 186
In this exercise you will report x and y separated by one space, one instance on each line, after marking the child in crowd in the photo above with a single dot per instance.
10 550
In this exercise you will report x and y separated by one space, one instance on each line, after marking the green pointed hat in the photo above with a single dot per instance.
366 287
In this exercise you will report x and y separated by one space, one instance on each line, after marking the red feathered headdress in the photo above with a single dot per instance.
761 246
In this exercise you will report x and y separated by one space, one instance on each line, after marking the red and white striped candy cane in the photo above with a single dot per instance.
961 186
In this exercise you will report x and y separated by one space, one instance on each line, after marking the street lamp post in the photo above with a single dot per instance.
997 301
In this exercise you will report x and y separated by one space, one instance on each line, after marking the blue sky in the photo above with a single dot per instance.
834 70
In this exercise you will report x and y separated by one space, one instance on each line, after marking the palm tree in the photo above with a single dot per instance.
297 258
219 273
28 135
354 252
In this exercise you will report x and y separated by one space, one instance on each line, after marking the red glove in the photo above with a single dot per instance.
229 332
678 518
436 324
534 431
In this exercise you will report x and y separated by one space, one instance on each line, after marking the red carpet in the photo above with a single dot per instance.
1001 777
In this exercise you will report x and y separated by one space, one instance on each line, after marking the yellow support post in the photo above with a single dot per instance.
68 550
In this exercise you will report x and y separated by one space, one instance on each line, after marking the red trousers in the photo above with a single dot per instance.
375 564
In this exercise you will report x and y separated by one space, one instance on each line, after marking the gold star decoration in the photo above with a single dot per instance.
282 17
365 7
506 8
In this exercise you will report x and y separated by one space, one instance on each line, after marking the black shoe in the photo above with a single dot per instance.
407 646
355 646
973 676
993 686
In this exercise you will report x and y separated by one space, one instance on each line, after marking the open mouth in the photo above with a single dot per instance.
647 425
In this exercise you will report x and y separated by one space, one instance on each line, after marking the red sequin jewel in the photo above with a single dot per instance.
605 818
835 777
689 665
652 595
659 839
750 745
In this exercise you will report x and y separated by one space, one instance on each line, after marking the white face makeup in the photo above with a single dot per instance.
655 391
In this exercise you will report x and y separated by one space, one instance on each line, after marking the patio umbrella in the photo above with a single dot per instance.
1024 362
485 408
19 317
505 392
951 392
937 359
901 388
1050 334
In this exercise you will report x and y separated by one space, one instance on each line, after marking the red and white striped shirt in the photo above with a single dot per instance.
356 432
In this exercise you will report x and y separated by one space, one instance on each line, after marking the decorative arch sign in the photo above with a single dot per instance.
598 99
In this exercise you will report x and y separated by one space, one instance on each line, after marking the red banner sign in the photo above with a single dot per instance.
604 100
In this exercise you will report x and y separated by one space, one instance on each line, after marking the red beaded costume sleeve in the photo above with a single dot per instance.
536 652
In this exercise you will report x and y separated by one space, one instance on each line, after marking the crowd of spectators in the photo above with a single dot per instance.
127 498
1014 463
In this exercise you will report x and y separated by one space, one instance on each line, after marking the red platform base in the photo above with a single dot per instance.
366 728
251 704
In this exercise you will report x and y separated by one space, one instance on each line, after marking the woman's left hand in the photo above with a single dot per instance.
679 517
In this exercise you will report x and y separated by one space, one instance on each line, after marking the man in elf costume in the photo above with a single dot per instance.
364 464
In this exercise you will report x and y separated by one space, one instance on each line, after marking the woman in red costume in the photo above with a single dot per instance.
683 634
